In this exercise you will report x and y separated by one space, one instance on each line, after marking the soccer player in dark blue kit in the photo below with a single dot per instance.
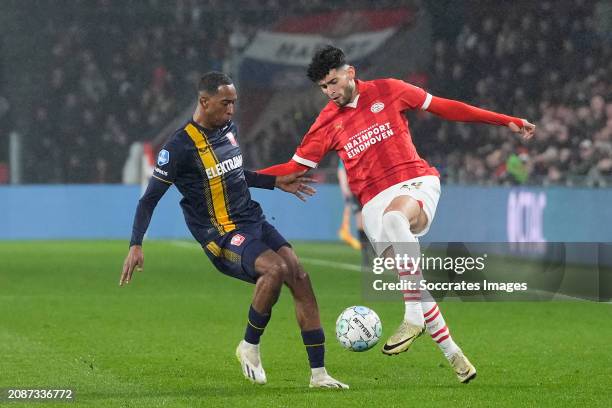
203 160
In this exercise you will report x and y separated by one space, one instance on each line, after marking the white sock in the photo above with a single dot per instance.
397 229
318 372
248 345
437 328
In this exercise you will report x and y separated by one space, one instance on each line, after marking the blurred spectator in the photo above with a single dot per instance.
535 61
120 71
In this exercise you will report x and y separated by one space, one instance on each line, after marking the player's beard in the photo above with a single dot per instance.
347 95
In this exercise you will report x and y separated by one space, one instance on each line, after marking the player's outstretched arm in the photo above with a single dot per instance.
462 112
284 169
135 258
296 184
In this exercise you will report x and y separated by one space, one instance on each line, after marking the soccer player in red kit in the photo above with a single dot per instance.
364 123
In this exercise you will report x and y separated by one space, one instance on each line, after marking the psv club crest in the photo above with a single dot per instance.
377 107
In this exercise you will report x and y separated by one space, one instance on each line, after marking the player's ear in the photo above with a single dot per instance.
351 72
203 100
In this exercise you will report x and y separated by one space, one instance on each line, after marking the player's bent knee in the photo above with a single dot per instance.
288 255
301 273
298 281
296 270
271 265
409 208
278 271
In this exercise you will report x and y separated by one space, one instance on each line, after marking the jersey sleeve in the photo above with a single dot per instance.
155 191
167 163
462 112
410 96
314 145
283 169
259 180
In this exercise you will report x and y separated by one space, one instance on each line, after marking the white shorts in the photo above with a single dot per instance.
425 189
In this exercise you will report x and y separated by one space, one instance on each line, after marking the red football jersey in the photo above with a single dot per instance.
371 136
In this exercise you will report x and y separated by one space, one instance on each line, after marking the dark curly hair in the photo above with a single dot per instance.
324 60
212 80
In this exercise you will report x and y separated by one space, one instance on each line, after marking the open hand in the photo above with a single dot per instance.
296 183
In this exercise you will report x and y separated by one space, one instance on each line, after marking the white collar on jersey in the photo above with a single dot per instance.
354 103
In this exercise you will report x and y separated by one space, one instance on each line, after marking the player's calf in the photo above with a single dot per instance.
307 314
298 282
273 270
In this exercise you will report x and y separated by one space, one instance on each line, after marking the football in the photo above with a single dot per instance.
358 328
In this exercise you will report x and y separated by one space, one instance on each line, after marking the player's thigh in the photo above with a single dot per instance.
297 275
371 216
412 210
243 255
271 263
274 239
278 243
426 191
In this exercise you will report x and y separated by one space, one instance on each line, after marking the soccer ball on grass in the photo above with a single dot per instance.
358 328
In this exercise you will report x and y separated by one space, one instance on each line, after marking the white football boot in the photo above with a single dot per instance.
463 368
320 379
403 338
248 355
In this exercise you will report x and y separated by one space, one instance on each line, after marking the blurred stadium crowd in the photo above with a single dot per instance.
546 63
120 71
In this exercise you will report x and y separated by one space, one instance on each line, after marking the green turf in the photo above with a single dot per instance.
168 339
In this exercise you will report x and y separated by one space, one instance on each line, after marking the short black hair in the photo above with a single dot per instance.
324 60
211 81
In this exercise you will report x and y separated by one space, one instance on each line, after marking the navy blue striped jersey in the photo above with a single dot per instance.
206 167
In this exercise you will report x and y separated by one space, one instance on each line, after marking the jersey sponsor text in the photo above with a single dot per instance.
225 166
367 137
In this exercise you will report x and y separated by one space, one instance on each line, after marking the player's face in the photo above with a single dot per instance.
339 85
219 108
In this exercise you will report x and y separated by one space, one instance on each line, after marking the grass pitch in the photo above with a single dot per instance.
168 338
